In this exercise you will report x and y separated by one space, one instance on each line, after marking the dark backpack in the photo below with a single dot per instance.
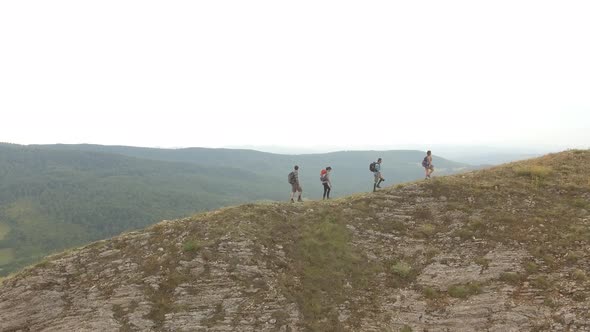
372 166
425 162
291 178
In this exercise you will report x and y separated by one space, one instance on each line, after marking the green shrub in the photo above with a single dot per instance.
425 231
402 269
406 328
541 282
431 293
580 203
191 246
482 261
531 267
579 275
573 257
465 290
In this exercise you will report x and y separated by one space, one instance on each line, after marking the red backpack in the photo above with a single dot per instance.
323 175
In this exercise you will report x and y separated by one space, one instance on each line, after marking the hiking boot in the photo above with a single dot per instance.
292 201
299 199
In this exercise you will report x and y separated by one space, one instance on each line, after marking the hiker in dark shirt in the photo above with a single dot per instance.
376 169
295 186
326 181
427 164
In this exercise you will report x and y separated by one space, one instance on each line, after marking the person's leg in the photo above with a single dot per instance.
325 190
380 179
328 193
300 190
293 190
375 183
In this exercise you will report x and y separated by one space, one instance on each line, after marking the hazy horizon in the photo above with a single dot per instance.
266 73
335 148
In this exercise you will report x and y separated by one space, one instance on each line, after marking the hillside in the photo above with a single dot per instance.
50 200
503 249
59 196
350 168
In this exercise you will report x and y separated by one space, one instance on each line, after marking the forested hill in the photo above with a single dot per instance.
58 196
350 168
51 199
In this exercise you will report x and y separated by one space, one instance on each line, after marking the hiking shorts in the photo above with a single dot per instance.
295 187
377 176
429 166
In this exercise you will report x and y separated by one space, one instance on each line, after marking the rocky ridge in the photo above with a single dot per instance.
503 249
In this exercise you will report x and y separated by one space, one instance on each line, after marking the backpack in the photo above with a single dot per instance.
372 166
425 162
291 178
324 176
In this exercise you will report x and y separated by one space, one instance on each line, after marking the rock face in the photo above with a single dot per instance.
505 249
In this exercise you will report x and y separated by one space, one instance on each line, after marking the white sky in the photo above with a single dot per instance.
295 73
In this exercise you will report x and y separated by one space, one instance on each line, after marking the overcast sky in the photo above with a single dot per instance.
295 73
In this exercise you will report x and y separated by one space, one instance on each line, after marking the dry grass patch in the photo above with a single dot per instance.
423 213
463 291
579 275
425 231
512 278
531 267
195 245
482 261
534 172
572 257
406 328
542 282
431 293
402 269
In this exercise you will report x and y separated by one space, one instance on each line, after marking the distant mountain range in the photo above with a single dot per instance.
57 196
473 155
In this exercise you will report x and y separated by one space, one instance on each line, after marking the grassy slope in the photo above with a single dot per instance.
540 205
348 251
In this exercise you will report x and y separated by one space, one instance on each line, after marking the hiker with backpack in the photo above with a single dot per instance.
326 182
295 186
427 164
375 167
